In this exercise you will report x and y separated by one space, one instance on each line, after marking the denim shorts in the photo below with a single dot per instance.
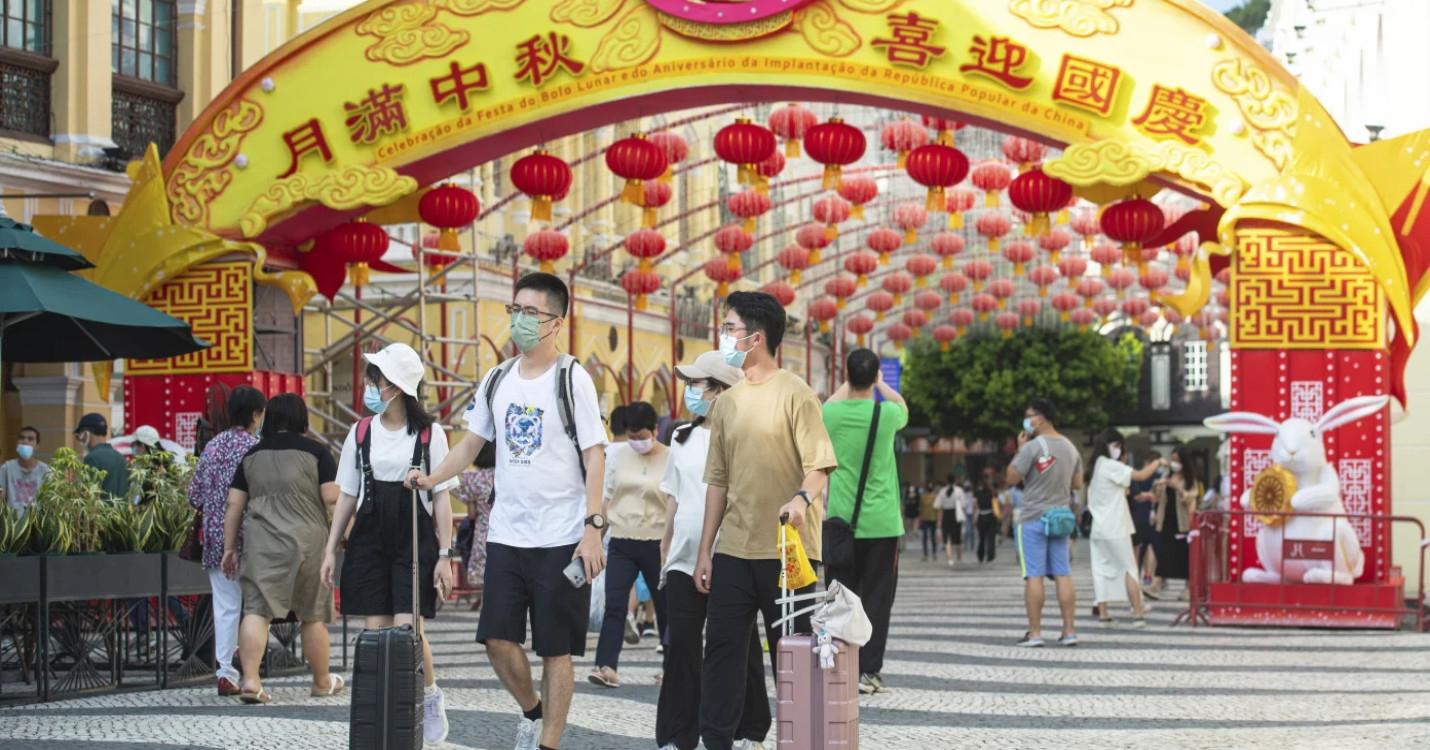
1041 555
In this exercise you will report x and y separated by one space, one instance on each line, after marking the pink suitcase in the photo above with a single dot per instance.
814 708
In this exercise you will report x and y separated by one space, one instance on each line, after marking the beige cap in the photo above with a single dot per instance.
147 435
711 365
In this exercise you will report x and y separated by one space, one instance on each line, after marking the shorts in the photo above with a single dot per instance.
377 565
1041 555
524 582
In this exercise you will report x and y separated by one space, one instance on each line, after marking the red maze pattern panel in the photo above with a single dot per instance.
1298 292
217 300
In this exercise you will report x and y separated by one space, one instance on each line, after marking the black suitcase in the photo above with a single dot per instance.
387 681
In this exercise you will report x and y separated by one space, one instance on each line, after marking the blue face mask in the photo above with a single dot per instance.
1028 425
25 451
732 356
372 399
693 401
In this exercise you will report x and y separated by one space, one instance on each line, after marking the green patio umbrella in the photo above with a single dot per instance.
19 242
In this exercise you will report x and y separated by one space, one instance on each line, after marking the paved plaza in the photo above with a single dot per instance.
958 682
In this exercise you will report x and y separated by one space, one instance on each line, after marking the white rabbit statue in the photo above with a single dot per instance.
1298 449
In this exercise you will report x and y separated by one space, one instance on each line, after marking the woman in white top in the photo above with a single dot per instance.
377 565
677 719
634 507
952 515
1114 565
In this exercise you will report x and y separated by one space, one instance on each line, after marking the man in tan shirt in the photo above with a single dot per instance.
769 456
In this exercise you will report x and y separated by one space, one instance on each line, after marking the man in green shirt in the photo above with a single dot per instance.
874 574
92 434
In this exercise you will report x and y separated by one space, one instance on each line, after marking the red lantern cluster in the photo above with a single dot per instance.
543 178
449 208
768 170
1087 226
1072 268
928 300
1043 277
636 160
898 333
1083 317
1065 303
1090 289
1002 290
983 304
1054 243
1105 255
858 190
1121 279
1007 321
1104 306
1029 309
937 168
745 145
791 122
961 319
835 144
546 246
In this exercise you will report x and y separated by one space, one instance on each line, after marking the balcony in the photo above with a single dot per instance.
25 94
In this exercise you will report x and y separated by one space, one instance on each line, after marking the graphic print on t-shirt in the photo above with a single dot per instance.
1045 463
523 433
25 490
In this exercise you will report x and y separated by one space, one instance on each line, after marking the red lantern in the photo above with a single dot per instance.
1087 226
747 205
674 147
928 300
542 177
945 128
791 122
1089 289
1002 289
992 226
946 245
915 319
953 283
547 246
1150 318
959 202
1132 222
883 241
992 178
823 310
903 137
1072 268
768 170
897 283
1172 317
898 333
921 266
1007 321
432 241
909 217
880 303
793 259
1065 303
1024 152
983 304
1106 255
812 238
357 243
635 159
644 244
1184 248
1043 277
744 144
831 210
859 325
448 208
1153 281
1054 243
721 273
1134 307
1121 279
732 240
1017 252
840 288
1040 194
640 284
978 271
657 194
1029 309
961 319
861 264
858 190
1223 276
835 144
781 291
1083 317
937 168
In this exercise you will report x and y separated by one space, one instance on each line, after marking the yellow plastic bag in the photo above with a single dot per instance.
797 572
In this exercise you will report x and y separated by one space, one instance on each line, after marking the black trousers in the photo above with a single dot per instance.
625 559
677 713
873 578
987 537
739 590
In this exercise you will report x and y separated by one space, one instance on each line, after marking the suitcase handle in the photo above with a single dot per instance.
416 613
786 607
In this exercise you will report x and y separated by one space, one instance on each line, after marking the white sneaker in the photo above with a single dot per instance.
528 734
633 633
749 745
434 717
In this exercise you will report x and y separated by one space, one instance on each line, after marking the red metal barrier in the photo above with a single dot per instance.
1218 597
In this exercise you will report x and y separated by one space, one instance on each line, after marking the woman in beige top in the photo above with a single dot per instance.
635 512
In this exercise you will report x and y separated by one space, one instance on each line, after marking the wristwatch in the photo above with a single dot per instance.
596 521
807 502
448 553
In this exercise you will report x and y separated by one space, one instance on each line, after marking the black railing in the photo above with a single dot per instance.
24 99
140 120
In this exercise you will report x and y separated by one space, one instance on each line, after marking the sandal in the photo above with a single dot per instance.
335 686
254 699
603 678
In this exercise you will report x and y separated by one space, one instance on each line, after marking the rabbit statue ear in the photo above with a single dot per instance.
1244 422
1350 410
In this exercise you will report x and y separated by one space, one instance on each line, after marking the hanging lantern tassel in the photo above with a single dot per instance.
990 199
360 275
1063 217
762 185
831 231
792 148
723 290
856 211
1055 256
1007 333
669 175
814 256
945 138
955 219
953 298
861 340
862 281
993 244
640 302
1036 226
839 304
898 298
1183 263
749 225
904 157
634 193
548 266
824 326
733 262
911 236
649 217
541 207
746 174
448 240
898 346
883 259
833 176
794 277
644 266
935 200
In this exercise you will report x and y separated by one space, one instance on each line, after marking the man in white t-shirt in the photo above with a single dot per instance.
20 478
546 513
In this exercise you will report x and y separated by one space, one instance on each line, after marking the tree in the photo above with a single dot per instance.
978 388
1250 15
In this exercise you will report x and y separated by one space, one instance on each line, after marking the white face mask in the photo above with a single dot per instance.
1114 452
1176 466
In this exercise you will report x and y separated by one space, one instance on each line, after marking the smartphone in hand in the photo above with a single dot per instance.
576 573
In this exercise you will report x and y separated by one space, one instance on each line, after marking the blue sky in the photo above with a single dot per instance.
1222 5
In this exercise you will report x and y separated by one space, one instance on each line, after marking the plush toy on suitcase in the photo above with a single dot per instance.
387 680
817 706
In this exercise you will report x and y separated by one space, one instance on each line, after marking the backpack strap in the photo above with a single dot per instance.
363 435
490 394
566 404
422 457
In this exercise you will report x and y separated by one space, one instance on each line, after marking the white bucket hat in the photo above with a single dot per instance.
147 435
401 365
